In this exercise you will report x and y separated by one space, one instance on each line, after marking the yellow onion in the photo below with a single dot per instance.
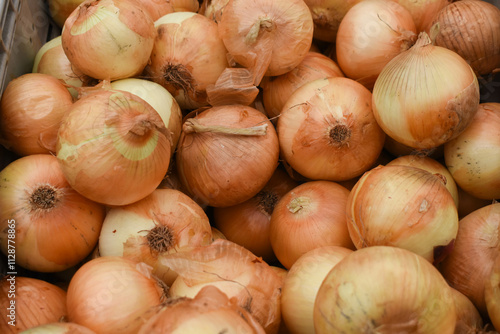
160 99
227 154
156 8
469 265
309 216
327 131
397 149
403 206
468 318
492 293
28 302
59 10
113 147
234 270
45 225
470 28
188 55
433 166
425 96
51 59
371 34
327 15
473 157
108 39
213 9
210 311
278 89
302 283
423 11
248 223
267 37
59 328
164 222
185 5
31 109
384 289
112 294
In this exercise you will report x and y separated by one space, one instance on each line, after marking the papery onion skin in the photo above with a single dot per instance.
164 222
210 311
248 223
327 130
29 121
60 9
36 302
276 90
185 5
268 37
432 166
468 318
476 247
111 294
113 147
55 227
372 33
59 328
156 8
403 206
435 101
213 9
423 11
108 39
302 283
471 29
492 293
384 289
474 156
188 56
222 170
309 216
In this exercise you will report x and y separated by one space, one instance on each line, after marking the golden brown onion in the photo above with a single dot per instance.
423 11
60 9
492 293
59 328
468 318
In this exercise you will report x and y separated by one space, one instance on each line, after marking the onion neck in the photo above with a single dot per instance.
160 239
44 198
339 135
192 125
267 201
297 204
262 24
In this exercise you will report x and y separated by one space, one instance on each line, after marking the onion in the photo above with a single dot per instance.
185 5
371 34
164 222
492 293
468 318
234 270
432 166
327 15
160 99
59 328
156 8
227 154
112 295
188 55
397 149
267 37
384 289
209 311
327 130
470 28
29 122
108 39
213 9
49 225
28 302
60 9
477 245
302 284
248 223
277 90
309 216
113 147
425 96
423 11
51 59
403 206
474 156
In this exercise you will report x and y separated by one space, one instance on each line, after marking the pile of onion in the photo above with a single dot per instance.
113 147
403 206
164 222
59 328
50 226
29 121
226 154
425 96
109 39
327 130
